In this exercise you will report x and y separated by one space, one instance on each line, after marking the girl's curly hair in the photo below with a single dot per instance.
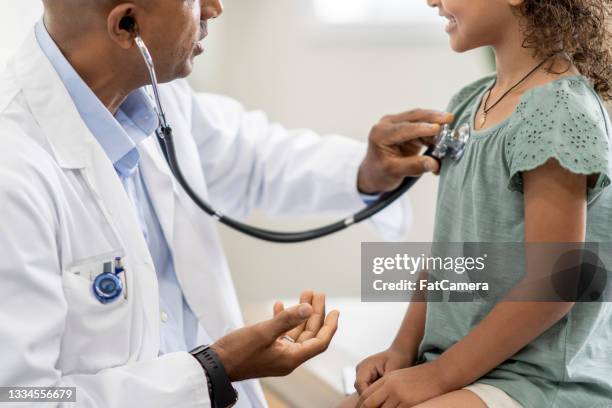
580 29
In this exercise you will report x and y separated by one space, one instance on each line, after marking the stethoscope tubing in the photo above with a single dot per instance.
166 141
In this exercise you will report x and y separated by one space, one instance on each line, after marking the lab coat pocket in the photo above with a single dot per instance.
97 334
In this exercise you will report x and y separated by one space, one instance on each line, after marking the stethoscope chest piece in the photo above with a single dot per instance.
108 286
452 142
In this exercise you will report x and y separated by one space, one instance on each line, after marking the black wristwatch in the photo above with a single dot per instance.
222 394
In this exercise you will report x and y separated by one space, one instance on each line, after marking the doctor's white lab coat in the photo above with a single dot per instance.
63 211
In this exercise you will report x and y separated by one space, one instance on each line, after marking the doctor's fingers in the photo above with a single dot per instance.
285 321
412 166
318 344
421 115
277 308
415 146
305 297
399 133
316 321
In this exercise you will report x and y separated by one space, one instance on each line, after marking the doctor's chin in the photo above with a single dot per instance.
314 204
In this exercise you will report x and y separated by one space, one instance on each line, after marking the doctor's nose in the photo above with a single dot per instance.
433 3
211 9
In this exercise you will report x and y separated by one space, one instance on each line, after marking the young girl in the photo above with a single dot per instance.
536 169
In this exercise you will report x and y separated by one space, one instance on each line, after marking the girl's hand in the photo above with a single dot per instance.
405 388
377 365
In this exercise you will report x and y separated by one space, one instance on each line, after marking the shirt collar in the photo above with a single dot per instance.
119 135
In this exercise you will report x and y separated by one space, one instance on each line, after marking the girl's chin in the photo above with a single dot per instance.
458 45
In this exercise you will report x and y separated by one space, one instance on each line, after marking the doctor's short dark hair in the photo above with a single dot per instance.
580 29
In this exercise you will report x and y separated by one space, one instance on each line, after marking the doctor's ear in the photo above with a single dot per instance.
122 26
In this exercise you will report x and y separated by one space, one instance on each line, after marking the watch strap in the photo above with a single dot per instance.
222 393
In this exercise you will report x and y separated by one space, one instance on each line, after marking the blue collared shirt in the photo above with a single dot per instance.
119 136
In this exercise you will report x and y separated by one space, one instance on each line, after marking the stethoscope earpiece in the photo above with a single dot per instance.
128 23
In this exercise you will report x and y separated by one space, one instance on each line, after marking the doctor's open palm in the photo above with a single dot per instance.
278 346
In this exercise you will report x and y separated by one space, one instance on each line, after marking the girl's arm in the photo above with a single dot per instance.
555 211
411 331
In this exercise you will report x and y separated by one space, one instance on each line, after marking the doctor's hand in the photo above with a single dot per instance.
278 346
394 148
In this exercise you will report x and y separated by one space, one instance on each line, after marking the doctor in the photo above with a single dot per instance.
84 190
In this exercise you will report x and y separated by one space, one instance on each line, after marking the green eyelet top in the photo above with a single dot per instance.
573 135
480 200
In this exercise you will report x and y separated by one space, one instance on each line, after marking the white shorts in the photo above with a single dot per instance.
493 397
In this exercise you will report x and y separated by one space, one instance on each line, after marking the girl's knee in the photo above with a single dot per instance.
455 399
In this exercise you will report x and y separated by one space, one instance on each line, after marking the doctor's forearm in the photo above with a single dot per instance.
506 330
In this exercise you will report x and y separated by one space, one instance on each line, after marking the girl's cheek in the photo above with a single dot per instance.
455 7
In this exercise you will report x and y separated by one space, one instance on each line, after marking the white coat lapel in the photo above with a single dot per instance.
51 104
199 261
74 147
102 178
160 185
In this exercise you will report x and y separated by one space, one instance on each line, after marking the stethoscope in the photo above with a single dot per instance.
108 286
448 143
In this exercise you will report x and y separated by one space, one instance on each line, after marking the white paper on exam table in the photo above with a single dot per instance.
348 380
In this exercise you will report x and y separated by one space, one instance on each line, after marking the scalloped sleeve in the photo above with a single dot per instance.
566 121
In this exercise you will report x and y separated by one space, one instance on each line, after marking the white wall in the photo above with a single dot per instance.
265 54
16 19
